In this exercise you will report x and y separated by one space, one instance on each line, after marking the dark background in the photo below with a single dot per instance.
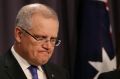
115 20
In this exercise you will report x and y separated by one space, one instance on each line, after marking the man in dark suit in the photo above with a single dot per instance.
36 32
110 75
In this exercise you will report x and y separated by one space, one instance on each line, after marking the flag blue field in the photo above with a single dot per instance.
96 52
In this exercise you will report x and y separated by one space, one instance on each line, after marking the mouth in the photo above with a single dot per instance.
44 52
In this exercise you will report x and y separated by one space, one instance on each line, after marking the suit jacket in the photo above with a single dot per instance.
110 75
10 69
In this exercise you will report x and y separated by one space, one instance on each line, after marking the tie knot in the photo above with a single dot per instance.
33 71
32 68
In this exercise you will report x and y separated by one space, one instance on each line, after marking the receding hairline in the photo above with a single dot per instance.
40 8
28 10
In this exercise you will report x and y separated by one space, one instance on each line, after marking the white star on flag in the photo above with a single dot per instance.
104 66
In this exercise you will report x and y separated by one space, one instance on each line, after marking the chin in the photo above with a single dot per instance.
41 62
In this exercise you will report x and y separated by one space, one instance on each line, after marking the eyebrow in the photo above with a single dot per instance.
35 35
44 36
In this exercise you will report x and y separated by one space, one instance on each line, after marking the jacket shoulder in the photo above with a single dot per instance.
57 71
115 74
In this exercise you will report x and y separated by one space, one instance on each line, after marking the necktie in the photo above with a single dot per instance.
33 70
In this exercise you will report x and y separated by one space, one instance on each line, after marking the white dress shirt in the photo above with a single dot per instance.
24 65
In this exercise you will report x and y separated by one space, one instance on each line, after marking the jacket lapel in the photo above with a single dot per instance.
13 68
49 73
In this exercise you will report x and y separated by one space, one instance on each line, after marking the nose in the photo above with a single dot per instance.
47 45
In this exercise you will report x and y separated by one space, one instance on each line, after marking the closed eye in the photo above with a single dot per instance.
38 37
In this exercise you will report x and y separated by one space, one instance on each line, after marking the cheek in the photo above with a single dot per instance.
39 52
38 55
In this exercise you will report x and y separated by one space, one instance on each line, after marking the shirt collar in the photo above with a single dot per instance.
23 63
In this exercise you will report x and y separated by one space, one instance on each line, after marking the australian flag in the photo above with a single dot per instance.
96 52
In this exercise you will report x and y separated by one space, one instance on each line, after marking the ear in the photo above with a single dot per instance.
18 34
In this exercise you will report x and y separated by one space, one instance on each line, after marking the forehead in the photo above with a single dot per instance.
47 26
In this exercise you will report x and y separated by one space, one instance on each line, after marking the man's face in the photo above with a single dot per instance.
38 52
